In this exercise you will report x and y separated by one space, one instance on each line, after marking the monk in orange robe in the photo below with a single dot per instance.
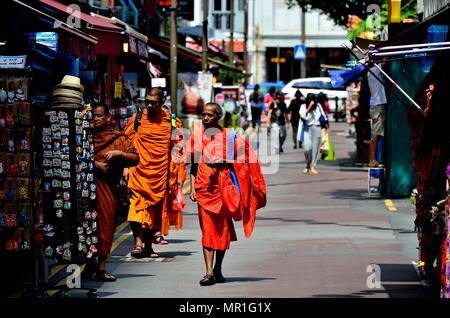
153 181
220 199
113 152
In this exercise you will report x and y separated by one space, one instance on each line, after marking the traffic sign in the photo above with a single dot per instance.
300 52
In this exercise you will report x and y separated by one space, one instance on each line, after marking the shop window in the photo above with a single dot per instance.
217 17
217 5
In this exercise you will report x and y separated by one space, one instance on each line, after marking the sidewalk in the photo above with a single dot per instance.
315 238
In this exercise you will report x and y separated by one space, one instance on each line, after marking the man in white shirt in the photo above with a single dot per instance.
378 104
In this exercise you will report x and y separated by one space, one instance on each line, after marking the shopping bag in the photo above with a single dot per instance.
301 131
331 155
178 200
324 146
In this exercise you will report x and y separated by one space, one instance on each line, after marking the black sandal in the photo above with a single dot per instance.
137 252
208 280
104 276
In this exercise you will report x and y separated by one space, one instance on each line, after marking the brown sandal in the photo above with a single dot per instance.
159 239
137 252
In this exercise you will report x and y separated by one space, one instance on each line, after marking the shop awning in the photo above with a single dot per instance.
137 42
94 22
108 34
193 55
71 39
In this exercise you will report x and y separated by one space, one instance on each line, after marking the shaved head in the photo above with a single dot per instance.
211 115
216 107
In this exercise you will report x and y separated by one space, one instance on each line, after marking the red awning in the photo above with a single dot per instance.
94 21
108 34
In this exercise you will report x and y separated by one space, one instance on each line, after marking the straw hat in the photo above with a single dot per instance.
63 92
67 105
71 82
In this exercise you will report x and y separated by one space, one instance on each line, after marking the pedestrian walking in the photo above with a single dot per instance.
278 119
113 152
256 109
294 111
227 185
311 113
151 193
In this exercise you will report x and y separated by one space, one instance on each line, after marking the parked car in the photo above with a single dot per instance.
316 85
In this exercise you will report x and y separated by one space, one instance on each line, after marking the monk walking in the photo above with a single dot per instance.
151 210
113 152
228 185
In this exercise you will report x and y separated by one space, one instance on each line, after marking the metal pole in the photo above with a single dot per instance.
173 56
409 46
389 79
278 63
205 36
232 32
420 51
246 65
303 40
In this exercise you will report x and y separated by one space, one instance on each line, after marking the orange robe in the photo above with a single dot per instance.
151 194
107 203
215 214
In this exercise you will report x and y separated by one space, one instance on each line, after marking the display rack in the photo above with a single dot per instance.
69 189
20 200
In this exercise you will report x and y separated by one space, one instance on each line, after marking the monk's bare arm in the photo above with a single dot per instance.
194 169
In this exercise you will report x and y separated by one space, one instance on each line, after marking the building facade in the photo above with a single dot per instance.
274 31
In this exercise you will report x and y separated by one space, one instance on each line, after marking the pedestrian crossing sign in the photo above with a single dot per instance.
300 52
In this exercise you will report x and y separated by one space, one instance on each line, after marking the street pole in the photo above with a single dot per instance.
246 69
173 56
278 63
232 32
303 40
205 36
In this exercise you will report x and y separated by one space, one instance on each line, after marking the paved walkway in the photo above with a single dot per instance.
316 238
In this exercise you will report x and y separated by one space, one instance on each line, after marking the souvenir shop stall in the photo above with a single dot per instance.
426 55
19 187
40 196
68 175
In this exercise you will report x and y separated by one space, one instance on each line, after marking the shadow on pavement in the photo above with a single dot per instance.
310 181
347 194
247 279
178 241
397 281
314 222
174 254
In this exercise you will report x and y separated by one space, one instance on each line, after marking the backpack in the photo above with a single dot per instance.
137 121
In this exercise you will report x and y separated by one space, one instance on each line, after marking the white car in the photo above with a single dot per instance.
316 85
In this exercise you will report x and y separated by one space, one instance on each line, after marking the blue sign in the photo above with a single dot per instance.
300 52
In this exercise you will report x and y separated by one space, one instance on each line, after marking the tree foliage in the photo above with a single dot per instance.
338 11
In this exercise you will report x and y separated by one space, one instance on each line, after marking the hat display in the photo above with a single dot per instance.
71 82
69 93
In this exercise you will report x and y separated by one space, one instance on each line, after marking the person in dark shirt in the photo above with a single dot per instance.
255 104
294 110
278 118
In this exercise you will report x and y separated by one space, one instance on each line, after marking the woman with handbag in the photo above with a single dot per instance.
314 120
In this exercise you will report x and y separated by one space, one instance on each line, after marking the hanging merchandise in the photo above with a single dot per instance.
17 192
68 179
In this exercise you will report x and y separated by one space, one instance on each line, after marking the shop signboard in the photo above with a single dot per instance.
231 98
118 90
12 62
159 82
194 91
